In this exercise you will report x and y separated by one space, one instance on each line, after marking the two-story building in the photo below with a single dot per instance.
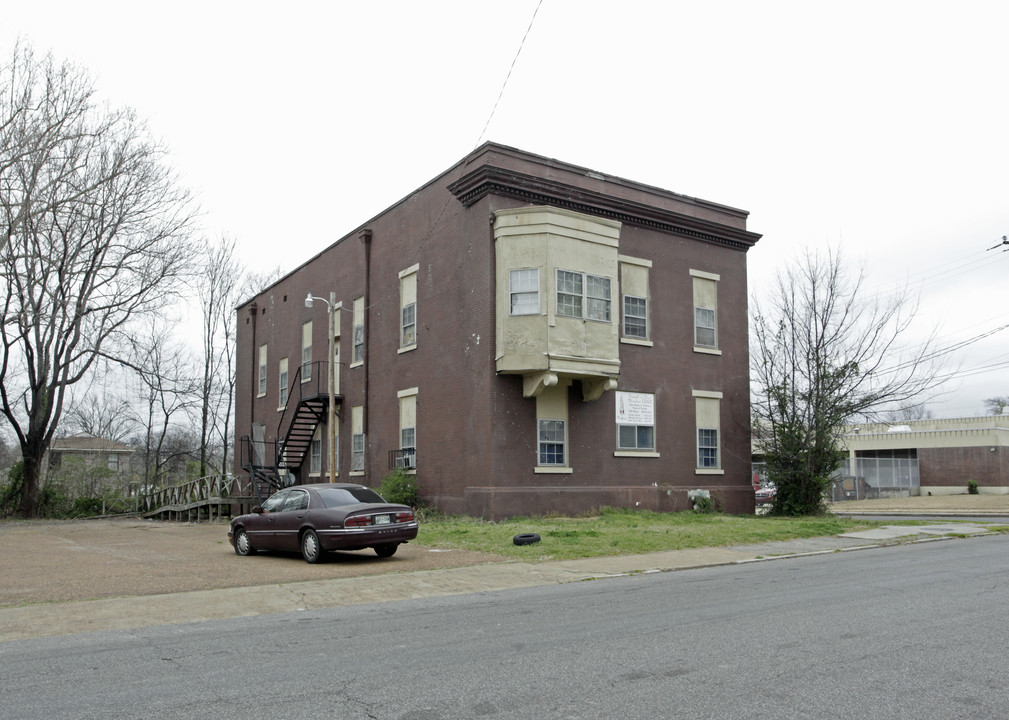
525 335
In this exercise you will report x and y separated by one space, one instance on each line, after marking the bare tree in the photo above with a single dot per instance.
94 234
170 386
217 289
102 415
99 405
823 354
908 412
996 405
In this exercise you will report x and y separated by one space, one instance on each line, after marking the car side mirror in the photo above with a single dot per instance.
258 510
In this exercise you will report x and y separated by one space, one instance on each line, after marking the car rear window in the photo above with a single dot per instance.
335 497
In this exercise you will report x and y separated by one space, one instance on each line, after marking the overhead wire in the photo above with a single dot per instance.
438 218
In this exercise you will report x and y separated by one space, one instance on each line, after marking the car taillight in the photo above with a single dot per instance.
357 521
404 517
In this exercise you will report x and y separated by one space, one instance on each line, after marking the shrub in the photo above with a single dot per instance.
398 487
10 492
972 487
703 501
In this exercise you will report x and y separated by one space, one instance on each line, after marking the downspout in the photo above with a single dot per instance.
253 389
253 385
365 237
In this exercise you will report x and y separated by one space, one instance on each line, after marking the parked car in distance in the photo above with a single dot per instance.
766 494
320 518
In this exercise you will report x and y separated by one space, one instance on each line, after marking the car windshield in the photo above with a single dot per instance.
335 497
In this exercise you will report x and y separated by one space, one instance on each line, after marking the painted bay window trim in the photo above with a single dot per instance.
524 291
583 296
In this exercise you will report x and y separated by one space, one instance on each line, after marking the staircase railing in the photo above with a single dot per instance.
302 413
199 495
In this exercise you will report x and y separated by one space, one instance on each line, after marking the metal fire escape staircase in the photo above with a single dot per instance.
307 407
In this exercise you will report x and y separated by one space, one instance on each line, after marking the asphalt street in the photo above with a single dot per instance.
906 631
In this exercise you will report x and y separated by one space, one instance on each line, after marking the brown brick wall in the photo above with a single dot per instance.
476 433
955 466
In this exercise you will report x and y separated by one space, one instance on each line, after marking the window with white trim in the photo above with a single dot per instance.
408 334
524 290
552 428
580 295
407 429
569 293
707 447
408 307
315 453
704 327
283 383
635 317
708 431
552 442
357 356
635 421
357 453
357 442
262 370
705 310
634 286
306 351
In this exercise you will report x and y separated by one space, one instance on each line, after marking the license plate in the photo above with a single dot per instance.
383 519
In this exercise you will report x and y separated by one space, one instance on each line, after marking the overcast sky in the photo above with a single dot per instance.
876 127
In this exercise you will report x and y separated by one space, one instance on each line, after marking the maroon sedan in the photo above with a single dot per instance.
324 517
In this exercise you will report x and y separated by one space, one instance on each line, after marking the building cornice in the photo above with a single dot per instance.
490 180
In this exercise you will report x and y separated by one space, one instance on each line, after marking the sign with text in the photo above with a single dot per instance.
635 408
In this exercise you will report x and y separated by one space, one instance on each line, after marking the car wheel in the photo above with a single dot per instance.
384 551
526 539
242 544
310 548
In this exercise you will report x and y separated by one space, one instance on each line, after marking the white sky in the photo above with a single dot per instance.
879 127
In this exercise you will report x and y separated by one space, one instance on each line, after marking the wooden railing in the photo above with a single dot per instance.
194 498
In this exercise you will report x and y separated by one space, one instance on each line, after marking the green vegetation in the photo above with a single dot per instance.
398 487
620 532
972 487
57 502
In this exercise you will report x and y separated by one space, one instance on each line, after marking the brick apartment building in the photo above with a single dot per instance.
525 335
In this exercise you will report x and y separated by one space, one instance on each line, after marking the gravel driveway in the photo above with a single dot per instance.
56 561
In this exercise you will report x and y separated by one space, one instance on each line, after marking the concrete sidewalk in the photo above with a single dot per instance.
50 619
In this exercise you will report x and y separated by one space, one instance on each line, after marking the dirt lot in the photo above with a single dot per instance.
55 561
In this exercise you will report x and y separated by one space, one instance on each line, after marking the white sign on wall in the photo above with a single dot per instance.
635 408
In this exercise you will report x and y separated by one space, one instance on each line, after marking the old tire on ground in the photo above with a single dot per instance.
526 539
242 545
310 548
384 551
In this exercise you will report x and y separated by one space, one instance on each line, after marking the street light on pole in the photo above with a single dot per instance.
331 415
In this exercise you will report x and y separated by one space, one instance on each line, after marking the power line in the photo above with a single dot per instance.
508 76
928 275
389 292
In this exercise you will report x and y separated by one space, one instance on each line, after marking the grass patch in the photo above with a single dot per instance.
621 532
